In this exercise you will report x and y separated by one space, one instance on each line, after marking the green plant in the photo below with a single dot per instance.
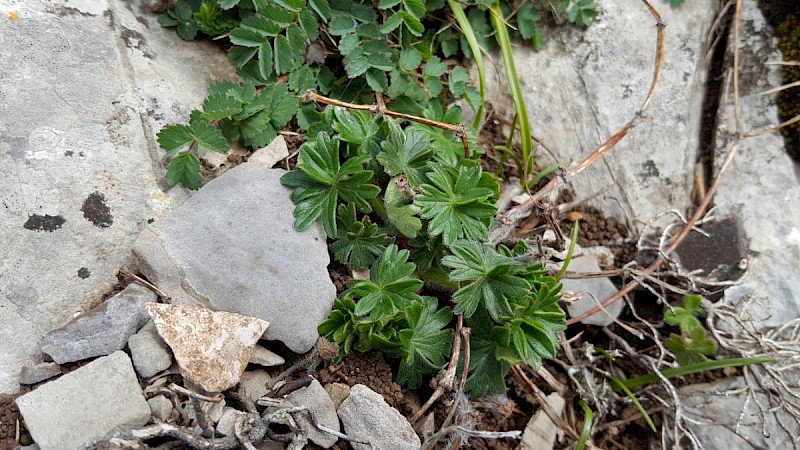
410 214
691 345
351 50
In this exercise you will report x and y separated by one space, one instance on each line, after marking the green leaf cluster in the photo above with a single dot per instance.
692 344
409 211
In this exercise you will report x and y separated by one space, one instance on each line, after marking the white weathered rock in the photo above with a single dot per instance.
149 352
319 403
253 384
87 98
39 372
761 188
585 84
102 330
86 404
160 407
717 410
211 347
540 432
271 154
591 292
366 416
256 264
264 357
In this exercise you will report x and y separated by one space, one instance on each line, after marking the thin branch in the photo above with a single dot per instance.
448 375
545 405
429 443
460 130
128 274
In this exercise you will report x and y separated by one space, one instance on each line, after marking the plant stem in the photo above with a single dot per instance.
469 34
504 41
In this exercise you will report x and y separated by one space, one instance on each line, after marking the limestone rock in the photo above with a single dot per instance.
366 416
540 432
102 330
149 352
264 357
271 154
256 264
160 407
113 78
253 384
585 84
86 404
39 372
211 347
227 423
319 403
590 292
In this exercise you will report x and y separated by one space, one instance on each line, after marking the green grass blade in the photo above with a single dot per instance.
469 34
588 418
620 386
695 368
504 41
573 238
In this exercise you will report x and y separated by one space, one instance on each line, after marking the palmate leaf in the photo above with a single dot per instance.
493 278
402 215
486 372
320 181
390 287
358 243
406 153
455 204
424 344
185 169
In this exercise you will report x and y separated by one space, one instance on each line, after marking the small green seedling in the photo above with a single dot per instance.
692 344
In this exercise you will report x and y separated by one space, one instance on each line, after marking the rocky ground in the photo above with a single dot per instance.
126 305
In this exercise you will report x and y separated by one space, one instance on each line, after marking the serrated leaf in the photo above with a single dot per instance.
283 55
174 138
486 373
456 206
416 8
246 37
425 345
583 12
185 169
322 8
341 24
227 4
390 287
391 24
219 106
265 60
376 79
309 24
358 243
386 4
412 24
291 5
406 152
240 56
321 181
399 213
527 16
410 59
434 67
209 137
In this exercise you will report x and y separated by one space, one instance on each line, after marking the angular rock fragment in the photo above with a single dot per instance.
102 330
264 357
39 372
161 407
253 384
85 405
149 352
590 292
366 416
319 404
256 264
211 347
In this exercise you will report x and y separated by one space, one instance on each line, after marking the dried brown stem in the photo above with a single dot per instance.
544 404
460 130
448 376
465 332
128 274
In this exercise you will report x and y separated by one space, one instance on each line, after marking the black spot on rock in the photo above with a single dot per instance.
84 273
96 211
69 153
649 169
135 40
46 222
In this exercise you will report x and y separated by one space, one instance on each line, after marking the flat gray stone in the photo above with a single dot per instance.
715 409
762 186
319 403
586 83
39 372
227 423
253 384
87 97
366 416
211 347
149 352
85 405
255 264
540 432
591 292
102 330
264 357
160 407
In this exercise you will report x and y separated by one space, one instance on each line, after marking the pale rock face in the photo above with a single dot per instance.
212 348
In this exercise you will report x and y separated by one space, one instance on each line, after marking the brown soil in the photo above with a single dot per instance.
9 418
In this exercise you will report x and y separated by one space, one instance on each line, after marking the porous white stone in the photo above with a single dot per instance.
366 416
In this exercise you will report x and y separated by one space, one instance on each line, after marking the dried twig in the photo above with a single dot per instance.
128 274
460 130
431 441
